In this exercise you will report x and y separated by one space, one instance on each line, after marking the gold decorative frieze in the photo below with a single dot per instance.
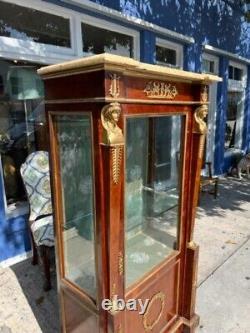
192 245
114 89
119 329
157 89
204 94
148 323
120 263
117 152
202 145
110 115
114 299
200 114
113 290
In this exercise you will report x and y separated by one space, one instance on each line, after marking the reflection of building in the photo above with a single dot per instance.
211 37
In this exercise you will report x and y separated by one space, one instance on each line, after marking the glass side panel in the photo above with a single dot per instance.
151 192
75 154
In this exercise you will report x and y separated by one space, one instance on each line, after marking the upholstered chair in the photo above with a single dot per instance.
36 178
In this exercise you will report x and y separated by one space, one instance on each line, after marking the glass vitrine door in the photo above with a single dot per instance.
77 228
152 192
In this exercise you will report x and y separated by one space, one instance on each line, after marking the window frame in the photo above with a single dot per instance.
14 48
178 48
212 115
17 49
214 59
44 54
238 86
104 24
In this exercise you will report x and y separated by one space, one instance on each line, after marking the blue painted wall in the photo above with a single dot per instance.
221 116
208 21
14 237
147 47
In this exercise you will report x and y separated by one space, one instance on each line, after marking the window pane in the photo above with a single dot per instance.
230 73
207 66
30 24
75 154
238 74
151 192
211 69
22 123
165 55
97 40
235 73
233 112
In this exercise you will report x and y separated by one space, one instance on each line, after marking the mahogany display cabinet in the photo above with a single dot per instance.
126 147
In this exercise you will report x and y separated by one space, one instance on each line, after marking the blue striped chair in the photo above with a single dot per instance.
36 178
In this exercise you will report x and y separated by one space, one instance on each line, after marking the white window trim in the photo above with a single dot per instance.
130 20
16 49
239 86
235 85
210 57
104 24
212 115
173 46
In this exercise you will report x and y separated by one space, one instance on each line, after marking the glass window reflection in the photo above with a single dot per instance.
98 40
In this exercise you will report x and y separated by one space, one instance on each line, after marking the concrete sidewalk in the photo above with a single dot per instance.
223 233
223 297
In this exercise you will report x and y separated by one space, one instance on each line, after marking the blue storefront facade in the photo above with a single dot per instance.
201 36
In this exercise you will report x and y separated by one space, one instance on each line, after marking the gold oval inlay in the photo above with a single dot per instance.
149 326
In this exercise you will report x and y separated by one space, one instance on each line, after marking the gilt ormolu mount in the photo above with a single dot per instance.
126 143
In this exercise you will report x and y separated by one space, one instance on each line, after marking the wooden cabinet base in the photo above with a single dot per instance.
183 325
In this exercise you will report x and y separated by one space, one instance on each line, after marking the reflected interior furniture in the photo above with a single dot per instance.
35 173
126 142
209 183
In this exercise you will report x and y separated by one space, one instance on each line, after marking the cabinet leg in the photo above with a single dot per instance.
191 325
46 267
34 251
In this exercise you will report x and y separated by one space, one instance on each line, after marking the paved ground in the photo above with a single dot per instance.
223 233
223 297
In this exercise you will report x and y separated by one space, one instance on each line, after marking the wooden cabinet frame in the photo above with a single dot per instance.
107 86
